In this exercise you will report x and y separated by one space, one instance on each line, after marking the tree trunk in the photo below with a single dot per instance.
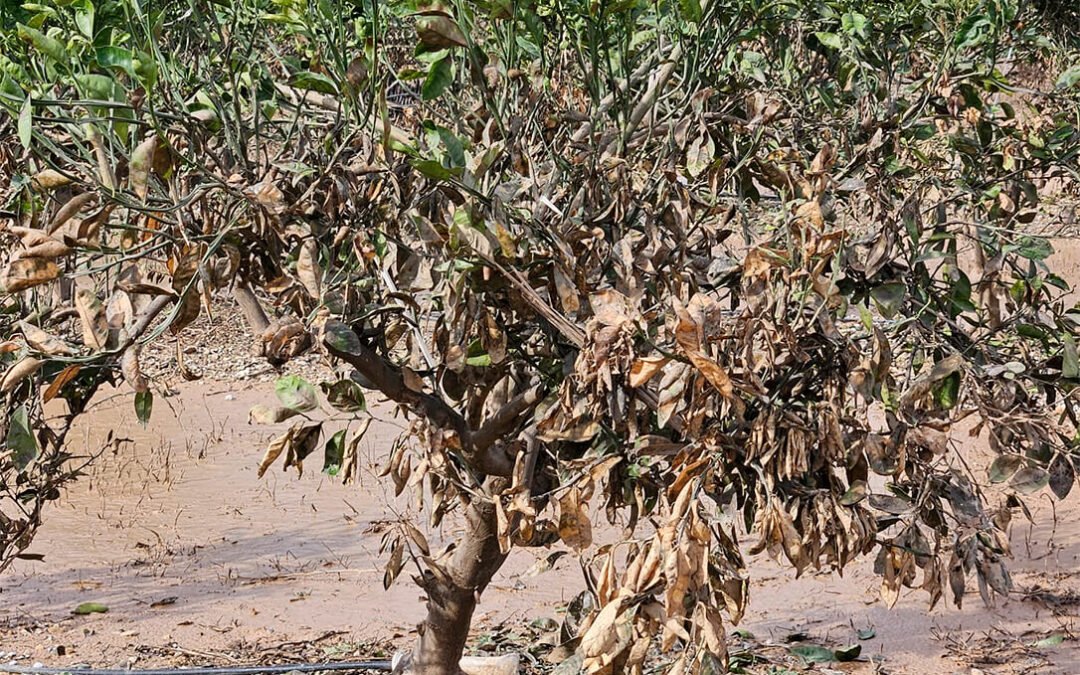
451 598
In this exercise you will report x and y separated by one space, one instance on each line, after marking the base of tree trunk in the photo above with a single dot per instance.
507 664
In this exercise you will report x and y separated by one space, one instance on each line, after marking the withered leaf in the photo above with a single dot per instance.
26 273
575 528
645 368
92 315
1062 476
65 376
43 341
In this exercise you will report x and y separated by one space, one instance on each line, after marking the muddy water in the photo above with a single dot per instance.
188 548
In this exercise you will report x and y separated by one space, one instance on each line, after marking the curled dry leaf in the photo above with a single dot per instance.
274 450
70 209
575 529
261 414
142 161
65 376
19 372
645 368
439 32
129 367
266 195
307 269
49 179
44 341
49 250
26 273
95 327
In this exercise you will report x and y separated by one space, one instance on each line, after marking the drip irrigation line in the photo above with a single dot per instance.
227 670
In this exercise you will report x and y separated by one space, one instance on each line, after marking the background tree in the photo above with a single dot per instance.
726 268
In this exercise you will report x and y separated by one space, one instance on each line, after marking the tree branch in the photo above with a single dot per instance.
251 309
505 417
342 342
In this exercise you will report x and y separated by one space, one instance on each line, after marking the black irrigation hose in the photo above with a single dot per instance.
234 670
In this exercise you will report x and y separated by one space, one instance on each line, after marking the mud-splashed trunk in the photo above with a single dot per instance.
452 598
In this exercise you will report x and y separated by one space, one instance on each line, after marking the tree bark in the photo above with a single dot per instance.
452 593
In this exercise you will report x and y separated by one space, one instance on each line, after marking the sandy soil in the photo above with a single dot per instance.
199 560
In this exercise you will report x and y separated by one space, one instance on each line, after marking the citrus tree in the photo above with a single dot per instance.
720 269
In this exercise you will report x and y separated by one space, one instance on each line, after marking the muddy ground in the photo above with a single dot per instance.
200 561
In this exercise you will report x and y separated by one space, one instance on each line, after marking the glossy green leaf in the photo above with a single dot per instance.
830 40
84 17
144 403
115 57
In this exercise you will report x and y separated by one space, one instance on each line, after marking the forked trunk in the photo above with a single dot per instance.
452 599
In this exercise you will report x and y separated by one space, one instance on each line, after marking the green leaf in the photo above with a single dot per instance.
344 395
854 24
865 316
1068 79
690 10
849 653
1003 468
99 87
947 392
314 82
84 17
1035 248
454 148
21 441
144 403
812 654
830 40
146 69
433 169
480 360
333 453
1049 641
888 297
341 338
960 295
867 634
49 46
439 77
295 393
115 57
1030 479
90 608
26 123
